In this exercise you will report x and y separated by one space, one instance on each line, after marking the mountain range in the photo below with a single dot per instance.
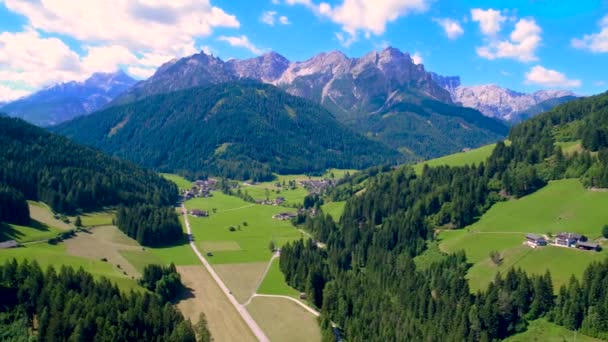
502 103
65 101
382 95
238 130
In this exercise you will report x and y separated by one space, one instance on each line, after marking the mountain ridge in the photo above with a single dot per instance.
65 101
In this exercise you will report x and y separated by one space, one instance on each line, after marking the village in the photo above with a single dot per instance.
562 239
201 188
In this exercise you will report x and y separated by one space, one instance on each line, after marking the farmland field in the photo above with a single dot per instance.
335 209
474 156
253 227
274 282
563 205
204 295
241 279
296 324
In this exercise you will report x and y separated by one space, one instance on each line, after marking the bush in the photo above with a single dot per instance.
232 229
496 257
605 231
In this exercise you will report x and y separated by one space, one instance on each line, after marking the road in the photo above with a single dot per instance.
255 328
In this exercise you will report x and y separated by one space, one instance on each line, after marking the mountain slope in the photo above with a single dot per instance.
48 167
238 130
542 107
66 101
362 93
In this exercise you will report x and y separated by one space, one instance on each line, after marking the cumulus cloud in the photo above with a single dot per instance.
241 41
542 76
363 16
270 18
9 94
595 42
490 20
29 59
138 25
521 45
417 58
451 27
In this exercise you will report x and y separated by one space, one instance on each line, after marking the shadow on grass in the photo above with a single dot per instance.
7 232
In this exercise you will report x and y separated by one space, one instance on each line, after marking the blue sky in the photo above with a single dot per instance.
522 45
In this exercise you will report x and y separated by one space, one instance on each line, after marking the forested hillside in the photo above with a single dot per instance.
50 168
68 305
367 282
236 130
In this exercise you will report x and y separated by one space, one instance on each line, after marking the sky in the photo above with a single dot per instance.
524 45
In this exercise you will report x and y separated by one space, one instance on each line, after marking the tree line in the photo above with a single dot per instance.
366 280
150 225
68 177
69 305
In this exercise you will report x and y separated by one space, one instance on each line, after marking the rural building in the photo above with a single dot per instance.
199 213
284 216
303 295
588 246
9 244
569 239
279 200
535 240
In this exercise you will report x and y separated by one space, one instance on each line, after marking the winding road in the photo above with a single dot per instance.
255 328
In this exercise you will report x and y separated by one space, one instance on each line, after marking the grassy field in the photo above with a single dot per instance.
563 205
283 320
57 256
241 279
204 295
100 218
335 209
274 282
569 147
253 224
543 331
474 156
181 182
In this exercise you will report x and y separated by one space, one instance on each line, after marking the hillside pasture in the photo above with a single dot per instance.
541 330
563 205
335 209
474 156
181 182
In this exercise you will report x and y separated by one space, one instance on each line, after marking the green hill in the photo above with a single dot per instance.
50 168
423 128
237 130
474 156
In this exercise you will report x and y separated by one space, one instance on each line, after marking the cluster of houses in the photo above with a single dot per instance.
199 213
316 187
284 216
563 239
201 188
277 201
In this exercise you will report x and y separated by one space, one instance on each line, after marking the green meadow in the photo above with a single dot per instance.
563 205
474 156
541 330
275 284
335 209
181 182
252 224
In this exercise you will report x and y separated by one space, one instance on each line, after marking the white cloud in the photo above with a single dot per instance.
107 58
143 25
451 27
9 94
417 58
141 72
241 41
270 18
368 17
520 46
490 20
27 58
595 42
539 75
